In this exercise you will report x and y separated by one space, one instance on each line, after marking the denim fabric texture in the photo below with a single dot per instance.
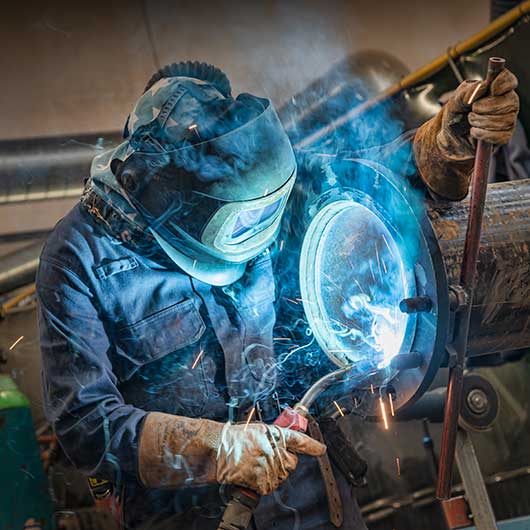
120 336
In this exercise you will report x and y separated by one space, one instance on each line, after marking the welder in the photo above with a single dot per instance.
156 304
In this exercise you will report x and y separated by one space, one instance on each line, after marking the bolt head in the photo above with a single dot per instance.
477 401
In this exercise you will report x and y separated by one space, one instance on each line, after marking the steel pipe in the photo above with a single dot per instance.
19 268
35 169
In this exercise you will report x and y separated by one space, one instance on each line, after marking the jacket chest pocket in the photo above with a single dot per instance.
156 336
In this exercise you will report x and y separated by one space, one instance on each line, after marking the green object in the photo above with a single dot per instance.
24 486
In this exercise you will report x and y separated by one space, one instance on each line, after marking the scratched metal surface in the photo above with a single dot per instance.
500 319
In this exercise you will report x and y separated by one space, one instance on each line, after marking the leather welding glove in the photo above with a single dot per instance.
177 451
444 146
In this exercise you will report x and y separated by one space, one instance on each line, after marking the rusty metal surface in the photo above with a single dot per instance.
468 281
500 313
55 167
456 512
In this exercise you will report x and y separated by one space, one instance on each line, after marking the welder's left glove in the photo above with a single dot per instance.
444 146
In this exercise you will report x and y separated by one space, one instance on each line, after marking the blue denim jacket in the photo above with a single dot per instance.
122 335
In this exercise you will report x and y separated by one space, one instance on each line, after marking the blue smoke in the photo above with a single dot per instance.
365 313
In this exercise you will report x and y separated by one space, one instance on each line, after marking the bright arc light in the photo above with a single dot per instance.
353 272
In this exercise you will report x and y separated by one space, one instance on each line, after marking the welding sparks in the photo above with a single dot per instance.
197 359
387 245
473 94
251 414
290 300
391 404
281 245
281 338
338 408
398 466
372 271
16 342
194 128
372 388
304 301
378 263
383 413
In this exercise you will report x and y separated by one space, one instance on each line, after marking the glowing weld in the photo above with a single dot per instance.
249 417
338 408
383 413
391 404
16 342
304 301
195 129
197 359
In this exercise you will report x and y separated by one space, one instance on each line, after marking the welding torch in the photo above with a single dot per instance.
240 508
468 278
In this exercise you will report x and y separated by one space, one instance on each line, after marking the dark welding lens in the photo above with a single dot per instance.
250 219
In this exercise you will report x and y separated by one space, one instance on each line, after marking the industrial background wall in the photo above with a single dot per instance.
76 67
72 67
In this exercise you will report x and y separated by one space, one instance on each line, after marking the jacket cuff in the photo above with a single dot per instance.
445 176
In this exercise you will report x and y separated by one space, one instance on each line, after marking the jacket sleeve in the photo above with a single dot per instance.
94 426
426 171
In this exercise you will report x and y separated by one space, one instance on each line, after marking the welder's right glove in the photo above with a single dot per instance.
444 146
177 451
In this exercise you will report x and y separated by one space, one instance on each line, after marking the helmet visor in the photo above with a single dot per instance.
221 193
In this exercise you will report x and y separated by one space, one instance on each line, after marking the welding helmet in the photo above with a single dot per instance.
209 174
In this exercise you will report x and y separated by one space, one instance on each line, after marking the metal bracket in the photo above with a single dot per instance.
458 298
474 486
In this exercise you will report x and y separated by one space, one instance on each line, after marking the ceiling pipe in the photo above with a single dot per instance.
19 268
35 169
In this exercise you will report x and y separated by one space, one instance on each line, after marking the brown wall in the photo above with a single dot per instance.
72 67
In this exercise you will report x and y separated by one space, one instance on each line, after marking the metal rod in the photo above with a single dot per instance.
467 280
473 481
